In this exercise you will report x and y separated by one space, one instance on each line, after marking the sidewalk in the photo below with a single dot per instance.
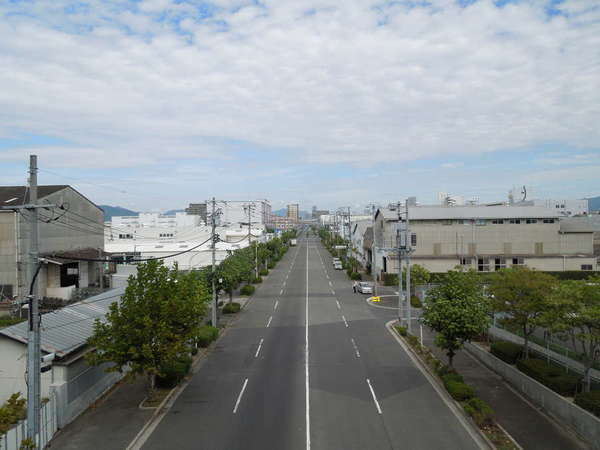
529 427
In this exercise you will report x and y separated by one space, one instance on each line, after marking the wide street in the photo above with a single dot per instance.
309 364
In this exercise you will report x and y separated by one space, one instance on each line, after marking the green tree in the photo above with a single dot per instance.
156 322
523 295
574 309
457 310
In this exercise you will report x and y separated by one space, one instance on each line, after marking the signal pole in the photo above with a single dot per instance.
250 206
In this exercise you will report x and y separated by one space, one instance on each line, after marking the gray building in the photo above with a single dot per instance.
197 209
75 230
485 238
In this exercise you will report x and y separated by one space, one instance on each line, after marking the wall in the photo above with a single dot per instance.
582 422
8 274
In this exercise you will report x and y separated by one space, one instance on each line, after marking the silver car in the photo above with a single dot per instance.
364 288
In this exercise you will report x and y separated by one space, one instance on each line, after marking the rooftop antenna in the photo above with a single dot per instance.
524 193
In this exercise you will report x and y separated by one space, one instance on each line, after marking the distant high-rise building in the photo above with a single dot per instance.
293 211
197 209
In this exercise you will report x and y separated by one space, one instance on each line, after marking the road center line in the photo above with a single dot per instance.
281 292
276 303
345 322
374 397
269 322
338 304
306 363
333 292
354 345
258 350
235 408
330 284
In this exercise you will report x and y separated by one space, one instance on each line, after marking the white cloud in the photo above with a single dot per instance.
329 86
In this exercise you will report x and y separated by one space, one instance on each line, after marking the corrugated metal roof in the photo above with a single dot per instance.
66 330
480 212
21 193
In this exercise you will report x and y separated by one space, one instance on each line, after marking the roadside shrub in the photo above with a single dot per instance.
355 276
12 412
589 401
480 411
348 271
263 273
402 330
390 279
174 373
231 308
257 280
248 289
206 335
508 352
551 376
415 302
452 377
271 264
459 391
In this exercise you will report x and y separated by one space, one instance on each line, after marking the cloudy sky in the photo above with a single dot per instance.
154 104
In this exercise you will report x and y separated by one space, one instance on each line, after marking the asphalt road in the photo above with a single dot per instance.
309 365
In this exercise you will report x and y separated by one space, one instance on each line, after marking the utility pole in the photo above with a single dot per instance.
399 236
250 206
214 248
408 242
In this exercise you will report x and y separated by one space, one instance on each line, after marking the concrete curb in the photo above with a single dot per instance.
480 439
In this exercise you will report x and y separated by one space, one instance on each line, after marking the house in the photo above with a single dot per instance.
485 238
72 230
357 241
74 384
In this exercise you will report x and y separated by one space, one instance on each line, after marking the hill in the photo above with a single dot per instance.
110 211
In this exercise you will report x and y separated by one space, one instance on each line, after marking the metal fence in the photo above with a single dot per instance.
48 426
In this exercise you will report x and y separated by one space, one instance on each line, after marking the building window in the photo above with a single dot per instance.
499 263
515 221
483 264
465 261
125 236
531 221
413 240
497 221
586 267
480 222
518 261
548 220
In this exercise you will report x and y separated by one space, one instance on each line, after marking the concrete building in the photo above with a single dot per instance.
357 241
484 238
236 212
293 212
283 223
75 231
156 220
566 207
197 209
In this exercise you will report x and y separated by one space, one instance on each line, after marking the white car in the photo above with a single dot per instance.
338 265
364 288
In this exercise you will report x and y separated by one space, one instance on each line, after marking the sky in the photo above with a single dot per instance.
154 104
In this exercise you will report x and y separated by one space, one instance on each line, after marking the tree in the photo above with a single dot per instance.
457 310
523 294
418 275
156 322
574 309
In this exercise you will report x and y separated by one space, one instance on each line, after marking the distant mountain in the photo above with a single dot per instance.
110 211
172 212
594 203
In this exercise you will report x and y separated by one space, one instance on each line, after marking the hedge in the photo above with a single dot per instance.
271 265
401 330
415 302
174 373
263 273
589 401
231 308
247 289
508 352
355 276
390 279
551 376
459 391
206 335
452 377
257 280
480 411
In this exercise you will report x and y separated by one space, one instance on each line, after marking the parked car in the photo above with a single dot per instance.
338 265
364 288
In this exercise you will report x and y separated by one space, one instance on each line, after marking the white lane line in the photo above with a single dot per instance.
353 344
374 397
330 284
281 292
235 408
284 284
259 347
327 276
345 322
338 304
276 303
307 387
269 322
333 292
